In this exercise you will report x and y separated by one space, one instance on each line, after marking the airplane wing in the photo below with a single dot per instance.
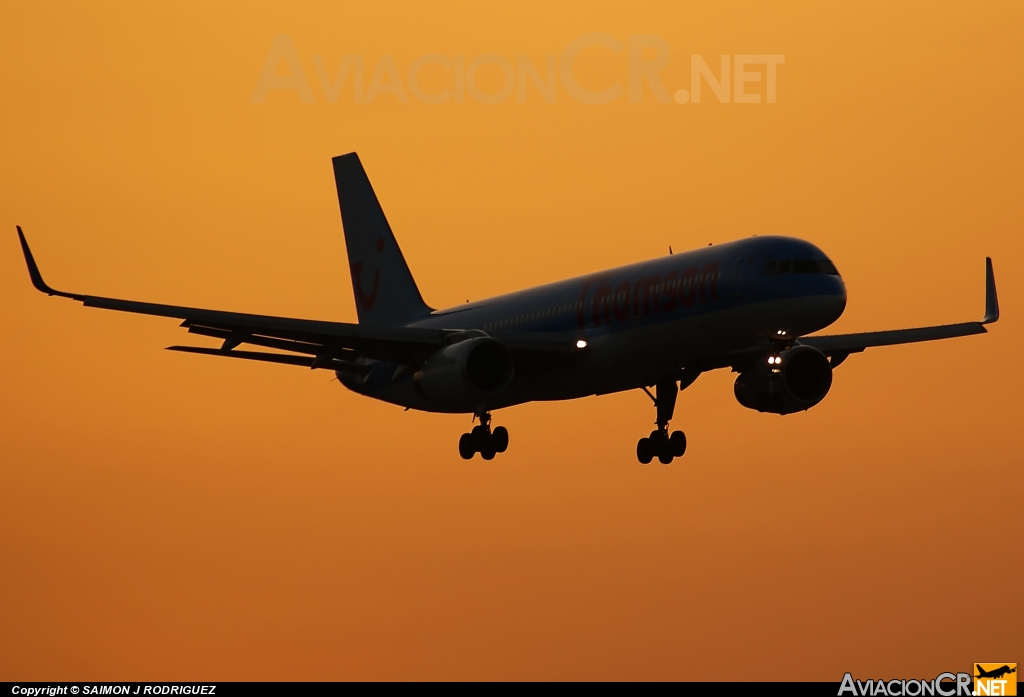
839 346
318 344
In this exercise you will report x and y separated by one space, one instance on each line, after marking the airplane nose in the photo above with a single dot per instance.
837 298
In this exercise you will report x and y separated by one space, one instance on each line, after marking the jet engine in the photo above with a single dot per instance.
792 381
466 372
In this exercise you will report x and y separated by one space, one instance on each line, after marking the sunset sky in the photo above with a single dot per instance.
170 517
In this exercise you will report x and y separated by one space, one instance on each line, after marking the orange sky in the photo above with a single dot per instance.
168 516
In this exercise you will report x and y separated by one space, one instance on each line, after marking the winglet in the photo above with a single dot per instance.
991 300
33 270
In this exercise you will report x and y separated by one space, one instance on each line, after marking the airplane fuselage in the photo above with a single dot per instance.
642 321
747 305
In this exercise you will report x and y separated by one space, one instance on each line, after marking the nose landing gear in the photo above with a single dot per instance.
483 440
666 447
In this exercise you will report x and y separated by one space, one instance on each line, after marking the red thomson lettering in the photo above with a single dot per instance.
647 288
709 279
651 293
602 302
580 319
670 301
688 287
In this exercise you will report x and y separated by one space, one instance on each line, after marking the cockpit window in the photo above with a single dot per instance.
780 267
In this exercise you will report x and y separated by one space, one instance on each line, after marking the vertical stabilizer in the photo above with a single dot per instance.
385 292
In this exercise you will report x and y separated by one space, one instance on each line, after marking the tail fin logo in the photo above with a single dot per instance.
366 301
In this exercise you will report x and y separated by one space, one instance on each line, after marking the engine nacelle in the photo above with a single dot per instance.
466 372
792 381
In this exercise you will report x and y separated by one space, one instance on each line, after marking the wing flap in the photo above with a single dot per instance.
307 361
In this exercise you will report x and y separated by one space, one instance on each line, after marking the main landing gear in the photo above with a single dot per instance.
660 444
483 440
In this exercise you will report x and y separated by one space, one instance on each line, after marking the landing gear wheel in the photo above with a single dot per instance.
482 440
678 442
665 455
644 451
499 437
467 446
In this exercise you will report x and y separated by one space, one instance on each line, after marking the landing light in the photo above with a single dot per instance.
581 344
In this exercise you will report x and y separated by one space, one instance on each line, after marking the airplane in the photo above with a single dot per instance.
995 674
751 305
